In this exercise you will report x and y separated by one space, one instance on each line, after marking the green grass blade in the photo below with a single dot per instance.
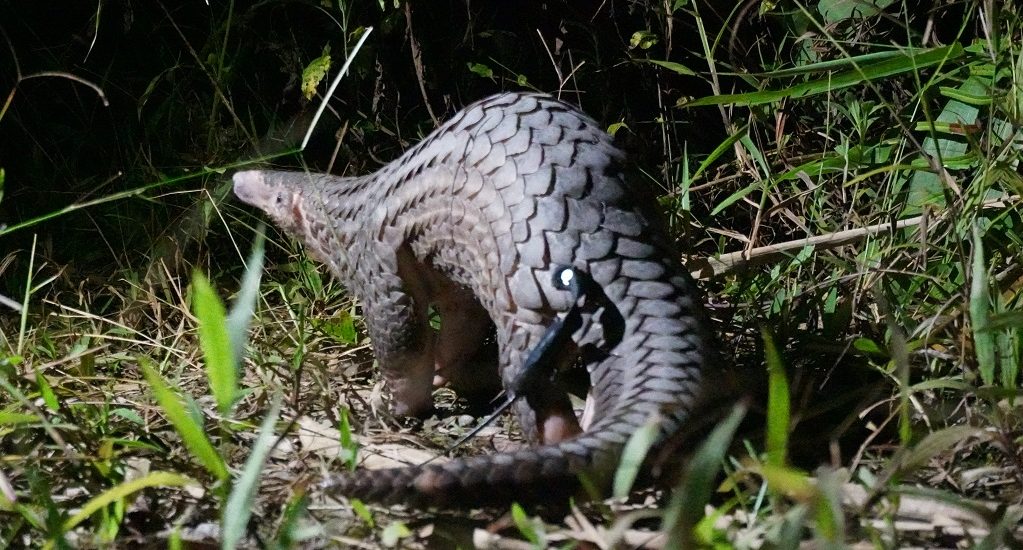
244 306
872 71
121 490
633 455
714 155
215 343
238 508
778 402
688 500
191 433
935 443
980 309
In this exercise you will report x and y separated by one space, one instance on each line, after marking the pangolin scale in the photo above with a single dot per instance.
473 220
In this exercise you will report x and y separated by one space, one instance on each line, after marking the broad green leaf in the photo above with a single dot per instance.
315 72
481 70
393 533
836 11
925 187
643 40
215 342
362 511
191 433
341 328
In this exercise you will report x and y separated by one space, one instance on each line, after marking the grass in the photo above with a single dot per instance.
845 182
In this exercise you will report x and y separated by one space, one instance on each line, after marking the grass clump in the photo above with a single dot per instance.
843 176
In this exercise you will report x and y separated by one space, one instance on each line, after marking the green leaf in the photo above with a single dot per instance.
361 510
926 187
122 490
215 342
778 402
643 40
14 419
342 329
672 66
349 446
935 443
633 455
315 72
722 147
907 62
980 309
690 497
46 392
245 303
836 11
393 533
481 70
526 526
240 502
612 130
191 433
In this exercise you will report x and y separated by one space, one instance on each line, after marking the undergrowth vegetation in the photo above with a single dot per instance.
842 175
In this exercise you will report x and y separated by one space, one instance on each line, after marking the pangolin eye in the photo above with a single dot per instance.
279 199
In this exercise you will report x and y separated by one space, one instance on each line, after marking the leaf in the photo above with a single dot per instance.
690 497
906 62
240 502
980 309
315 72
342 329
191 433
46 392
836 11
778 403
526 526
612 130
481 70
14 419
245 303
672 66
643 40
393 534
123 489
925 187
633 455
934 443
789 482
215 342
